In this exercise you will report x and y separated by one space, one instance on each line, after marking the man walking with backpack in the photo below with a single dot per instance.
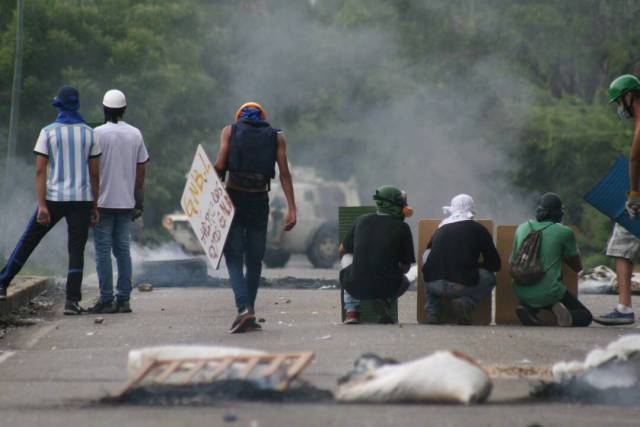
538 283
249 150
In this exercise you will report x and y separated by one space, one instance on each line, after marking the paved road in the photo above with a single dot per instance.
51 373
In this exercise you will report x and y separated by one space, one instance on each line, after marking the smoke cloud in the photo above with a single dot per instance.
384 123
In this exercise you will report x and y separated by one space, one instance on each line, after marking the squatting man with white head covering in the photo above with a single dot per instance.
461 263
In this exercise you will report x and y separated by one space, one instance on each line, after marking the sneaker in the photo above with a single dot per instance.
527 316
563 315
72 308
241 322
103 307
123 307
615 318
353 317
462 309
3 293
253 325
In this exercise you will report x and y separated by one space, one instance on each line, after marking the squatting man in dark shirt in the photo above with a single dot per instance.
461 261
381 247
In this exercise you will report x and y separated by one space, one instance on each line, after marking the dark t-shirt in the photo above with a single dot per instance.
455 253
379 244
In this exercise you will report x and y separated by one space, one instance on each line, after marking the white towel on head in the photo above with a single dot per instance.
461 209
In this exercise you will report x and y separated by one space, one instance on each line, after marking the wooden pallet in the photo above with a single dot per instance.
276 368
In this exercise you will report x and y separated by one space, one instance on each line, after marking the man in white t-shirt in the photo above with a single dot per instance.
66 187
122 172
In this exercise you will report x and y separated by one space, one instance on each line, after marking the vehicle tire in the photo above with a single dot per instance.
323 251
275 258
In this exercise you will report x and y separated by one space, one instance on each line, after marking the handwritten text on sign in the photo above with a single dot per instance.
208 206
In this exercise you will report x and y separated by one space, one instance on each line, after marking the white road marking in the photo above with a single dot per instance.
41 333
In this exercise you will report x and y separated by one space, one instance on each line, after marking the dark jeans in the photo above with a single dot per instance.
78 216
579 313
246 244
438 289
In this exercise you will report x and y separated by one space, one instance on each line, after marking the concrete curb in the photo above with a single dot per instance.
22 290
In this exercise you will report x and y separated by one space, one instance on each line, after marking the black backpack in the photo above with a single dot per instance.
526 268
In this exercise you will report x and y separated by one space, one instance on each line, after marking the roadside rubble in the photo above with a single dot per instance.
35 312
597 280
609 375
217 282
145 287
603 280
442 377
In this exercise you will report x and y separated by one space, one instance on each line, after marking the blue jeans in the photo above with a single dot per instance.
246 244
353 303
438 289
112 234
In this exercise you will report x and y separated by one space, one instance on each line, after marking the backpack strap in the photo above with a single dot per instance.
542 229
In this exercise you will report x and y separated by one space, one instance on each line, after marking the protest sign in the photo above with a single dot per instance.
208 207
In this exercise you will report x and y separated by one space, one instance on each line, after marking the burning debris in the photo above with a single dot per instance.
444 377
198 374
609 375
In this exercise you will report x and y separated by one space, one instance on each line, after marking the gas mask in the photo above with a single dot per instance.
407 210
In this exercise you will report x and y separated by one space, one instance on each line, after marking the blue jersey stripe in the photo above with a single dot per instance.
60 165
71 143
52 162
83 156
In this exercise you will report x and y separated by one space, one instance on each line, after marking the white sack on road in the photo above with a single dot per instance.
138 357
444 376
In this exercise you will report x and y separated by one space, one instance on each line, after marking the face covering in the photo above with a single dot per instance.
390 209
622 112
461 209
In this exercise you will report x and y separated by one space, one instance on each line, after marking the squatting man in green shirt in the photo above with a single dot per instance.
558 246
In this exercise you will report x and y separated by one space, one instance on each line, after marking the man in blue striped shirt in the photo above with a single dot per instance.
70 190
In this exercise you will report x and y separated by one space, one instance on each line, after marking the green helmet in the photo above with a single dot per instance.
390 194
392 201
621 85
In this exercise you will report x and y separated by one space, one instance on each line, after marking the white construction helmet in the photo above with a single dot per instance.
114 99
